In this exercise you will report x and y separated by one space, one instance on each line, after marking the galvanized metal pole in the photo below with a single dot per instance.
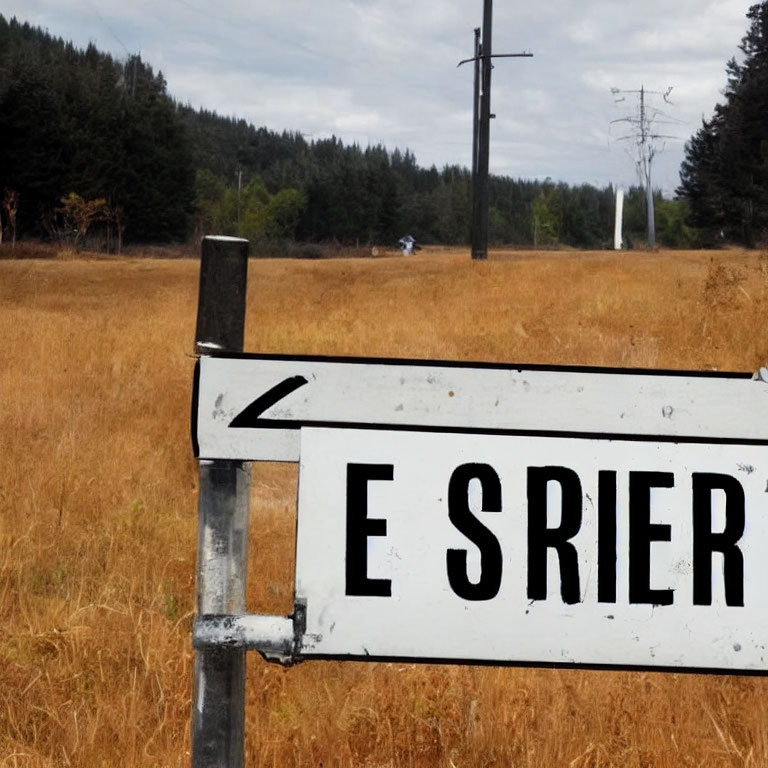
218 706
480 223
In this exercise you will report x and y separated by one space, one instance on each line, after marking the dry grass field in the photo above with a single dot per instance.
98 509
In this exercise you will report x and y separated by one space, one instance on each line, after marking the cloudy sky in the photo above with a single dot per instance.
384 71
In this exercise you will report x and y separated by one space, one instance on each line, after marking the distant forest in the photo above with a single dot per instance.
95 149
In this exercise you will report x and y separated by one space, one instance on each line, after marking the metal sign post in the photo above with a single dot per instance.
218 706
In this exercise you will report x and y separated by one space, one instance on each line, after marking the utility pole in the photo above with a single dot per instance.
475 105
642 123
480 184
481 129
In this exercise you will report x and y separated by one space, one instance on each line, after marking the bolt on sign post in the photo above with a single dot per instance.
474 512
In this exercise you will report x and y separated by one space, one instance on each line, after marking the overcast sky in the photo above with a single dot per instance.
384 71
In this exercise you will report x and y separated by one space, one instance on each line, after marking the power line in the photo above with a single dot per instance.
109 28
229 21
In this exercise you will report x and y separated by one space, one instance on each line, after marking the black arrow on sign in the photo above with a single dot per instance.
248 418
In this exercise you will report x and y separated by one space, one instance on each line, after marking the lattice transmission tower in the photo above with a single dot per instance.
646 142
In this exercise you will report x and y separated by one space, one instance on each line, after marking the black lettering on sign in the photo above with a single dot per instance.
461 516
705 541
540 538
360 527
606 536
642 532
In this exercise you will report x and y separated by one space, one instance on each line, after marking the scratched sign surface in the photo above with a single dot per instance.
533 550
253 407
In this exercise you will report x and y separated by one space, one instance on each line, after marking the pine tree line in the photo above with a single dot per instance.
74 121
91 147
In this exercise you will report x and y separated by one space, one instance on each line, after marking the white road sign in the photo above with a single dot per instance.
535 549
252 407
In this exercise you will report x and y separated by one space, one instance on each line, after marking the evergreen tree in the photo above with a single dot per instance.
724 176
76 122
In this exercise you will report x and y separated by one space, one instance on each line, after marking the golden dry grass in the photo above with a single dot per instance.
98 509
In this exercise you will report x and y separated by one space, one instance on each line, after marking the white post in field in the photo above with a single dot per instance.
617 241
